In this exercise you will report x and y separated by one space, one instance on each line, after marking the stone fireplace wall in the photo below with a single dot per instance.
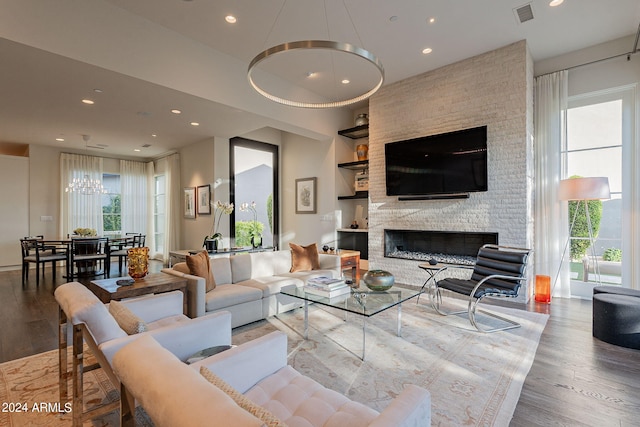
493 89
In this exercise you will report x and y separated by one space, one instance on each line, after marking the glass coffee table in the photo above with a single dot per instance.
361 301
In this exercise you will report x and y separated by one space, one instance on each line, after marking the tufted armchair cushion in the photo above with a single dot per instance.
299 401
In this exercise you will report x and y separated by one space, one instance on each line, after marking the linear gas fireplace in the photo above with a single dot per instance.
453 247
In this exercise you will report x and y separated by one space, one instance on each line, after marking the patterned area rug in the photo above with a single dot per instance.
474 379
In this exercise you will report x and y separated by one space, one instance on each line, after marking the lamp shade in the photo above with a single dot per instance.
593 188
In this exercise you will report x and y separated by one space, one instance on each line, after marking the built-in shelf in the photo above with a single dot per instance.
357 165
356 132
358 195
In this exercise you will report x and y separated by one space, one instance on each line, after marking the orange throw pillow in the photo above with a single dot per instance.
304 258
199 266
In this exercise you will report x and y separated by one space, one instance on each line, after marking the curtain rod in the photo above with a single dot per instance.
627 54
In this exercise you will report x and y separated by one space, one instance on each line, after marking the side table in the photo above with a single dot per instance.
348 260
432 270
154 283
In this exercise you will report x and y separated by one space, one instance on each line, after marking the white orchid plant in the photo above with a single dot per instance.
251 207
219 209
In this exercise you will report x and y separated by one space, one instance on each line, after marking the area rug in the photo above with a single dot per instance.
474 379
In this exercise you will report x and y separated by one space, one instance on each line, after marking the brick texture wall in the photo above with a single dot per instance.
493 89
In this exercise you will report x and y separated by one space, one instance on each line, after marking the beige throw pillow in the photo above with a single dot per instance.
127 320
267 417
199 266
304 258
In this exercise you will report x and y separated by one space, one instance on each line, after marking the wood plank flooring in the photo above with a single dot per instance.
575 379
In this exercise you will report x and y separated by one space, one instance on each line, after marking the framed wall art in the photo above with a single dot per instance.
306 195
189 202
204 199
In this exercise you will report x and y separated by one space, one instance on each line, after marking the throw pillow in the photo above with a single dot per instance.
199 266
304 258
127 320
264 415
182 267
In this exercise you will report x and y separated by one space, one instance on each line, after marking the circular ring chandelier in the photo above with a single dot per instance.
316 44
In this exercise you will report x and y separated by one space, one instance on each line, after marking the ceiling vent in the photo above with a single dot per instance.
524 13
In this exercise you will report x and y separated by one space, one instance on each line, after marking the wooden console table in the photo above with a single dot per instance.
155 283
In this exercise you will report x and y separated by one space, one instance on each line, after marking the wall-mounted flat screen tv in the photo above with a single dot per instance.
448 163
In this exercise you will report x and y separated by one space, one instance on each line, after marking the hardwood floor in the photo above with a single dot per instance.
575 379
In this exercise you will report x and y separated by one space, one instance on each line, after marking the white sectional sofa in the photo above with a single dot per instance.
248 285
252 385
105 330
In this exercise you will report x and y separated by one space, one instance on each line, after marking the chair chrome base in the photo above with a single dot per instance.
436 301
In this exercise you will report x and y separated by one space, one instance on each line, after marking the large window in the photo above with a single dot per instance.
111 206
598 136
254 192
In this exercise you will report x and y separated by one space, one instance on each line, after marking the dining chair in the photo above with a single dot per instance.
119 248
87 256
35 250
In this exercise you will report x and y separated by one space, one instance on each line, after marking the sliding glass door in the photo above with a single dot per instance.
599 144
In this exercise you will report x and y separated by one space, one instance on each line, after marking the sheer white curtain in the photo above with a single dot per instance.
173 201
151 237
134 207
551 224
79 210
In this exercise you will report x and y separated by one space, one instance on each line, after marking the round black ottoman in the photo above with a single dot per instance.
616 319
618 290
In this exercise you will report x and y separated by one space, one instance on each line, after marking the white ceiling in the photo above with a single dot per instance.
30 101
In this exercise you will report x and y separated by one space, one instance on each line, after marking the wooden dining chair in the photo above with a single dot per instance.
88 256
36 251
119 248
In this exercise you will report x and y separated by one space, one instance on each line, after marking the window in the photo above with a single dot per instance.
112 206
254 173
598 129
159 215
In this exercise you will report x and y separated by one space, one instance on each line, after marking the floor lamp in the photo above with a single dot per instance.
582 190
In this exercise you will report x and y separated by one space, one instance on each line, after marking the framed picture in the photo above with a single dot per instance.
306 195
189 202
204 199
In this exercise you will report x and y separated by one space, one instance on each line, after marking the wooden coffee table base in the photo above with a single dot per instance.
155 283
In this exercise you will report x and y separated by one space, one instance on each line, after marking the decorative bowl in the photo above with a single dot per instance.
378 280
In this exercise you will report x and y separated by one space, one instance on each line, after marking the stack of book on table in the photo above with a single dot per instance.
327 287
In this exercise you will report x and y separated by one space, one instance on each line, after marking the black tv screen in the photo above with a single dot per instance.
448 163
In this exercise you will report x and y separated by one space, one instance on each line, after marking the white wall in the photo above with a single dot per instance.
14 209
44 191
304 158
196 168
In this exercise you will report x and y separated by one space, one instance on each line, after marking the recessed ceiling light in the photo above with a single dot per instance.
60 139
311 74
431 20
427 50
554 3
154 135
176 111
393 18
230 19
97 90
87 101
195 124
136 150
345 81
